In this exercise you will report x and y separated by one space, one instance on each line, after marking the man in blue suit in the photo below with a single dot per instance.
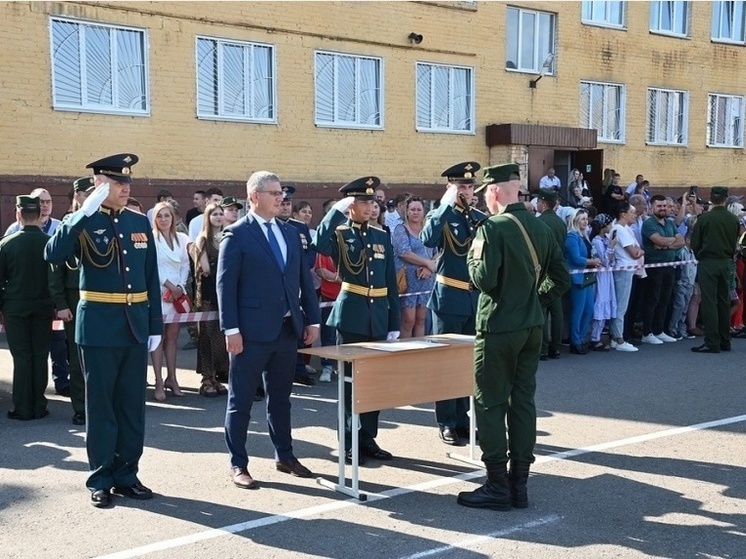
261 270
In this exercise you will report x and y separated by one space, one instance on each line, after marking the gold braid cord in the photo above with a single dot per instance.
454 245
88 247
353 267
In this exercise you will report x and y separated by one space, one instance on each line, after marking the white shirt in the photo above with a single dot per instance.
276 230
195 226
550 183
624 238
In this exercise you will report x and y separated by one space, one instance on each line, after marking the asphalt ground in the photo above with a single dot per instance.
639 455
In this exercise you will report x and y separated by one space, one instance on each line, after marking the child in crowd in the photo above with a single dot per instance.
604 307
686 275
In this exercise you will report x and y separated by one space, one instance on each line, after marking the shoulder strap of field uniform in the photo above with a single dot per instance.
531 249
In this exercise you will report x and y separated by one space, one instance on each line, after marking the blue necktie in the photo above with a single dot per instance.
274 245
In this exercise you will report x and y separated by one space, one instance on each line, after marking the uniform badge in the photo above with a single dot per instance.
139 240
379 251
99 231
477 247
303 241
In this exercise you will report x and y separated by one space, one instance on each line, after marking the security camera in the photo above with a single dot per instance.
415 38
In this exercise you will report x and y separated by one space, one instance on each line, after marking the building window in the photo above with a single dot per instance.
602 108
725 121
235 80
530 40
670 17
601 12
98 68
445 100
728 21
349 91
667 117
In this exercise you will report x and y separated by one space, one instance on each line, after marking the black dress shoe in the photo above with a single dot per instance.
101 498
372 450
360 458
135 491
449 436
705 349
724 347
15 415
463 432
579 349
293 467
305 380
41 414
79 418
554 354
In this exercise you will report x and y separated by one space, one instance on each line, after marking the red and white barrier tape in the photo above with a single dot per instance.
634 267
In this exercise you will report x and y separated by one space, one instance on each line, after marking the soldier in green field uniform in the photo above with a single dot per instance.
119 320
714 242
26 309
64 287
508 263
553 314
367 308
450 229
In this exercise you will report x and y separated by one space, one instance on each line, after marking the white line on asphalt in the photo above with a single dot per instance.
473 542
396 492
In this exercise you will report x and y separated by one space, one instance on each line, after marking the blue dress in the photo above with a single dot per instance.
405 242
604 306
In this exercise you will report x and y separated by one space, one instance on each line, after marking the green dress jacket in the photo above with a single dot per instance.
365 260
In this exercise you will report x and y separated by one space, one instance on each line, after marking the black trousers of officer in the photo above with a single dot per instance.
28 334
553 322
452 413
368 420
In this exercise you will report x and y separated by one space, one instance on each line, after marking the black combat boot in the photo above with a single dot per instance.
518 478
495 494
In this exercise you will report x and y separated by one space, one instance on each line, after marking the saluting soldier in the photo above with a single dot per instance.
451 229
26 309
510 257
713 241
64 287
367 308
119 320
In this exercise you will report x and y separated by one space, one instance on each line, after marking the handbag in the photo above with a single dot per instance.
589 278
183 304
401 280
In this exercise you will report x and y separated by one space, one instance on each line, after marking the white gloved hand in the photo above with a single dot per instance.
153 343
95 199
392 336
343 205
450 195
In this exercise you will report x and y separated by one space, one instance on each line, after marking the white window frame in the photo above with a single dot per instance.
535 65
719 15
450 128
737 114
88 106
336 122
250 110
604 134
666 128
676 8
599 12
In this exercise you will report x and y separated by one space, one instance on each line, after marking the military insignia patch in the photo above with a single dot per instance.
477 247
99 231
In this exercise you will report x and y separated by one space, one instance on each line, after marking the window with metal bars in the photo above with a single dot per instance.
445 102
602 106
667 117
725 121
98 67
235 80
349 91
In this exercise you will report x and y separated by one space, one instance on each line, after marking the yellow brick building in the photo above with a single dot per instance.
336 90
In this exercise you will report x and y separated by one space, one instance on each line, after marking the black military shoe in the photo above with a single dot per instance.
79 418
372 450
101 498
449 436
305 380
463 432
724 347
705 349
360 458
135 491
494 495
554 353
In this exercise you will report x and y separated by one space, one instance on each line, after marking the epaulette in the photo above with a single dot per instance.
296 220
342 227
377 228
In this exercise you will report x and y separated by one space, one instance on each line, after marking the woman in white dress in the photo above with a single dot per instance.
173 270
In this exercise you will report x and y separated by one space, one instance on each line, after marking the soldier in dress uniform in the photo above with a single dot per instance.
713 241
26 309
508 261
302 373
119 320
451 229
367 308
64 287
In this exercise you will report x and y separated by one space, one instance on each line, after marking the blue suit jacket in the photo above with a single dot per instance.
576 254
252 289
